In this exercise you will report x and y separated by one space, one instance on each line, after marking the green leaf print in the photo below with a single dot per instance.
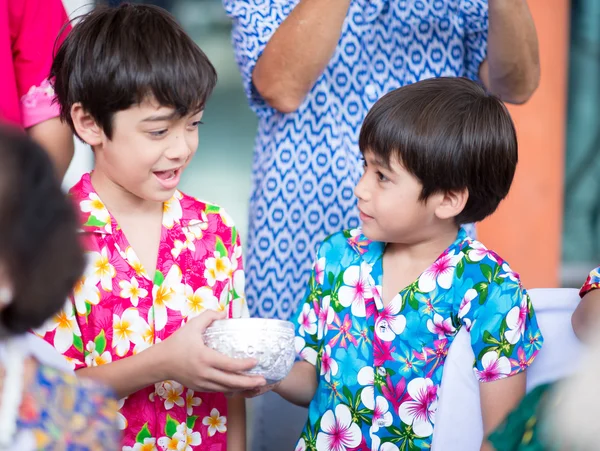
234 235
487 272
482 289
212 209
412 300
100 342
220 247
94 222
159 278
330 278
348 395
88 309
171 426
143 434
191 421
460 268
77 343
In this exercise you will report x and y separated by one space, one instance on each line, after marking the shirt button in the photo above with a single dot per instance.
383 325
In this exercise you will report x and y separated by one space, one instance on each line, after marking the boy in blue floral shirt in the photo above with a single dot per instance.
386 301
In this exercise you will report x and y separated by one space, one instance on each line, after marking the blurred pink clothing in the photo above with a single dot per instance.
28 35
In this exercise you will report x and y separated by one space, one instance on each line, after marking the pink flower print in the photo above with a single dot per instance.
419 410
382 351
325 316
494 367
440 326
382 417
440 273
329 366
338 432
320 270
307 321
390 323
465 304
478 252
395 393
344 332
356 288
305 353
522 363
515 321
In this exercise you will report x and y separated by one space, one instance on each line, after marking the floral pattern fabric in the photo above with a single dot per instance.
592 282
380 367
66 413
118 310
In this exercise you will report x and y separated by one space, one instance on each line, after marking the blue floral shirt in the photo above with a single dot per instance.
380 368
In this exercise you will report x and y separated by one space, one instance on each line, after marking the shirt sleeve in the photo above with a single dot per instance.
37 30
475 18
311 317
497 311
254 22
592 282
63 332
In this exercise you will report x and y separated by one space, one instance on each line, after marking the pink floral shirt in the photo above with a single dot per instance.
118 310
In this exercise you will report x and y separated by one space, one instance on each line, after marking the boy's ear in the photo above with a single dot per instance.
85 126
452 204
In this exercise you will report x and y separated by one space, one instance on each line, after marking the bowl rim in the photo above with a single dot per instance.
231 322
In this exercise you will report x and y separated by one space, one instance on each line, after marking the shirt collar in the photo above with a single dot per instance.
370 251
93 214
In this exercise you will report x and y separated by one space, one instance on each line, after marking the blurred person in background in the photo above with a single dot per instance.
29 32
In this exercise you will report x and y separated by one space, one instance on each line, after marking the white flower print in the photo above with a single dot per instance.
131 290
325 317
217 269
215 422
478 252
85 292
183 440
320 270
515 321
305 353
494 367
102 270
329 366
382 417
301 445
171 392
440 273
96 208
420 410
366 378
169 294
338 432
465 304
356 288
148 445
191 401
307 321
172 212
127 329
198 301
440 326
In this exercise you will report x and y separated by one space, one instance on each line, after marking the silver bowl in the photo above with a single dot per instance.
269 341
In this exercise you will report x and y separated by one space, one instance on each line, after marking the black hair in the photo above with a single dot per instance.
118 57
451 135
40 253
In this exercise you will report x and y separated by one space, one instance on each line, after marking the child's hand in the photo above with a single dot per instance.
260 390
195 365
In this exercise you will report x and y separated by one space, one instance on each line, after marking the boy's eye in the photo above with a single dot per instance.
195 124
381 177
158 133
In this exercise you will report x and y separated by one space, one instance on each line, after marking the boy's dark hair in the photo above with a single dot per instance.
450 134
117 57
39 248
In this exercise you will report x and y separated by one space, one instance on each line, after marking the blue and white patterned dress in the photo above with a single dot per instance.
307 163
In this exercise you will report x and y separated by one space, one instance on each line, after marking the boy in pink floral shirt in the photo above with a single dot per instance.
161 265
